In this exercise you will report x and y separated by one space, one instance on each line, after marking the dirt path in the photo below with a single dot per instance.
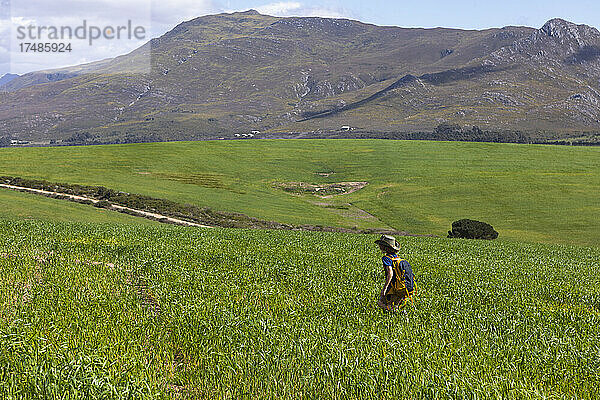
114 207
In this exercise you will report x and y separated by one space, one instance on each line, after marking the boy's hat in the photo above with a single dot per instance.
389 241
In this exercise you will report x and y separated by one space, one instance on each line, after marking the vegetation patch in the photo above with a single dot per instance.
322 190
470 229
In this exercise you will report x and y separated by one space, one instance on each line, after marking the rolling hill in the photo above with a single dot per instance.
529 193
218 75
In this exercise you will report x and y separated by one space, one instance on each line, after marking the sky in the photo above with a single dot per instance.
155 17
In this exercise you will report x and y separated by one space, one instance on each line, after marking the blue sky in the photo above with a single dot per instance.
159 16
468 14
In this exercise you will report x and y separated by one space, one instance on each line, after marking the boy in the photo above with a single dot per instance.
399 279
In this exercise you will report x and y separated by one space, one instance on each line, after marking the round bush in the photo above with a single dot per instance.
470 229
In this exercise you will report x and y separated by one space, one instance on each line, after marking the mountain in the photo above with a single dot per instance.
221 74
6 78
53 75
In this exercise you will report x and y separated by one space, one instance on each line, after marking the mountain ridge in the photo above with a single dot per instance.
220 74
7 78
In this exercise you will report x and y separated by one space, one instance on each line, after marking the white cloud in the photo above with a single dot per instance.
73 14
281 8
297 9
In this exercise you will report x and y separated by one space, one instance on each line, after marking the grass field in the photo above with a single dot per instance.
19 206
97 311
532 193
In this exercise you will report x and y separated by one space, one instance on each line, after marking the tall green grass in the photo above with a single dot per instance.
92 311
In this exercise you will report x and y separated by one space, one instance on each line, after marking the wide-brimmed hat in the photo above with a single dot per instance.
389 241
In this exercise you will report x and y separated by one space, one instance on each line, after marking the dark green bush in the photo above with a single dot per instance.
470 229
102 204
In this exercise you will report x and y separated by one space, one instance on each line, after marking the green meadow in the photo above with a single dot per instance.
97 304
24 206
529 193
126 311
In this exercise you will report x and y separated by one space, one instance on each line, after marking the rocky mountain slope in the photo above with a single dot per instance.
6 78
218 75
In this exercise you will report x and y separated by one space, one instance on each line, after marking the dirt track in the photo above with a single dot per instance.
114 207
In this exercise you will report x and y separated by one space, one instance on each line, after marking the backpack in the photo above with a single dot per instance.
404 282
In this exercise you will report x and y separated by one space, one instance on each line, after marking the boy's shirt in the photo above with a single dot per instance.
408 273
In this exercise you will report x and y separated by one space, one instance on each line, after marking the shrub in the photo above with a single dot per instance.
102 204
470 229
103 193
